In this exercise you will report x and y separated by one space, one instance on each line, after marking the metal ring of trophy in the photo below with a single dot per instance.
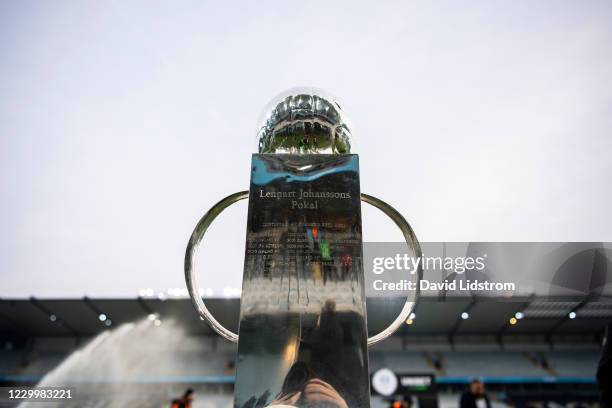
209 217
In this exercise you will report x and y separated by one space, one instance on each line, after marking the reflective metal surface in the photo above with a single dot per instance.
303 332
192 247
304 120
208 218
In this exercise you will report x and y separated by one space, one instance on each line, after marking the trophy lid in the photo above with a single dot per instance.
304 121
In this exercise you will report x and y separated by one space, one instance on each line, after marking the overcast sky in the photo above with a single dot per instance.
121 123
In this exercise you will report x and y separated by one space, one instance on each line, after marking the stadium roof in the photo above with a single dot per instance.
452 317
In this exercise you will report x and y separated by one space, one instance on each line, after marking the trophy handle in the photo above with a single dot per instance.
209 217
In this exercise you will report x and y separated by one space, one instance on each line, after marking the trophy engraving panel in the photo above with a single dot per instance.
303 333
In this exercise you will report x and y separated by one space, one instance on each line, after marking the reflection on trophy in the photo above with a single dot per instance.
303 333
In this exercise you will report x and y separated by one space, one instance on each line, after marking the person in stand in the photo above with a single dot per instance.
185 401
475 396
604 370
403 403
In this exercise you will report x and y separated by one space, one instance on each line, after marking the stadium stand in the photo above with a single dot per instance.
141 363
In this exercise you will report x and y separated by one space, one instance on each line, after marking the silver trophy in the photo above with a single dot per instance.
303 332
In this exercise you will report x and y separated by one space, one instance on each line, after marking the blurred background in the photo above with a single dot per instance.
121 123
